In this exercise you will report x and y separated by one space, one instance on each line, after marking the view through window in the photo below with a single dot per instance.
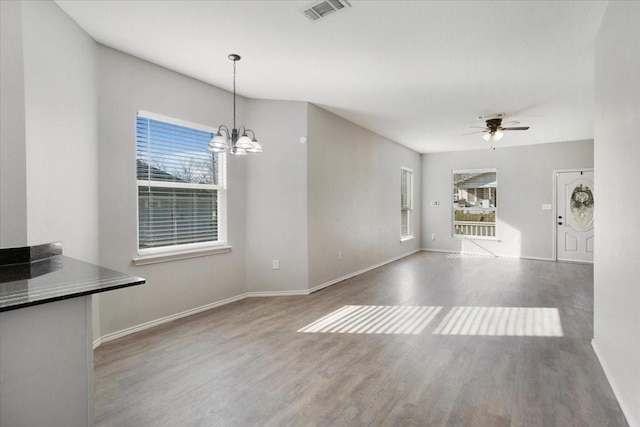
475 202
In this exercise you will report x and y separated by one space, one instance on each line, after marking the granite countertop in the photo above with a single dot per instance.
52 277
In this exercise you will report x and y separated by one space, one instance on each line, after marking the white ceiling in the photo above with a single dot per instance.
416 72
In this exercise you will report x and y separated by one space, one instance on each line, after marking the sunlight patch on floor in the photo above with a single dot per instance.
375 319
501 321
461 256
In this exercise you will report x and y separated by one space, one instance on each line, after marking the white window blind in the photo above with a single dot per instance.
179 185
406 201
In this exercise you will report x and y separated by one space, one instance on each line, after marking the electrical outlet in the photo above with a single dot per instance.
339 255
275 264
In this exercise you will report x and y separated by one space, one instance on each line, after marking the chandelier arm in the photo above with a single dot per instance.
225 129
253 134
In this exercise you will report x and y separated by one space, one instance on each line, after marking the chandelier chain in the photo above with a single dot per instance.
234 94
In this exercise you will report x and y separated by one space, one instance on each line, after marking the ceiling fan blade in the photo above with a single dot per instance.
471 133
513 122
517 128
478 127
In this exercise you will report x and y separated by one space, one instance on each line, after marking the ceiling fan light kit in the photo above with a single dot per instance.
493 136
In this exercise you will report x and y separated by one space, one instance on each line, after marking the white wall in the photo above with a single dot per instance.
525 183
354 197
277 197
126 85
61 131
13 162
617 152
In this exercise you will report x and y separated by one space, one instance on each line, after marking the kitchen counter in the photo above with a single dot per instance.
55 278
46 335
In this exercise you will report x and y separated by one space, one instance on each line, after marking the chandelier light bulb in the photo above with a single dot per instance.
237 151
244 142
257 148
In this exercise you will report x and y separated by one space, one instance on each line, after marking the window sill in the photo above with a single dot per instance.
177 255
406 238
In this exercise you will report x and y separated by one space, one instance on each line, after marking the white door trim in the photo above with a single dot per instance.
554 253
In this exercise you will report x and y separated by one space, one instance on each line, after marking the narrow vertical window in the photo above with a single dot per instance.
406 202
180 186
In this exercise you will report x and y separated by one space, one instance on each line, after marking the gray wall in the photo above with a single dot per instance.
127 84
48 192
525 183
354 197
61 131
277 198
13 161
617 151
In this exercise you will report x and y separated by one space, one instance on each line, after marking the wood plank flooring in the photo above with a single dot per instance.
245 364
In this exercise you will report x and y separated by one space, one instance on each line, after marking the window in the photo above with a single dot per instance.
475 202
406 202
181 191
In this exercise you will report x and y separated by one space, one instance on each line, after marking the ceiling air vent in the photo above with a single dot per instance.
320 9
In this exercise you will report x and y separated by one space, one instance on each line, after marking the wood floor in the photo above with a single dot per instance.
246 364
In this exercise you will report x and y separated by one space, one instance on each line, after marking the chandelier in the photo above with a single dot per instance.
237 141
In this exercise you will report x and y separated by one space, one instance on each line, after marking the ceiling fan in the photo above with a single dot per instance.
494 131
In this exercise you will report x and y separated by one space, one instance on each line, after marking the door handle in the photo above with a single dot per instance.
560 223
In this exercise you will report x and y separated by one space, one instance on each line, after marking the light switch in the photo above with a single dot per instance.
546 207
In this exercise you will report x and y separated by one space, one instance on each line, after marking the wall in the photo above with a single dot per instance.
61 131
354 197
126 85
277 198
48 192
13 163
617 151
525 182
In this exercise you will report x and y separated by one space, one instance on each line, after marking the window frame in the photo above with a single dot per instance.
187 250
409 207
495 237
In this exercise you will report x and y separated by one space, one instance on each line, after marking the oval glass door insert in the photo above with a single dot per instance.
582 205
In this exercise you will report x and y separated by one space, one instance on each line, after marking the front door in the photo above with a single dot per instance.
574 216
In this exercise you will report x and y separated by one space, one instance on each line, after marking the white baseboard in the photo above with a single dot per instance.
277 293
356 273
499 256
616 391
535 258
147 325
439 250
